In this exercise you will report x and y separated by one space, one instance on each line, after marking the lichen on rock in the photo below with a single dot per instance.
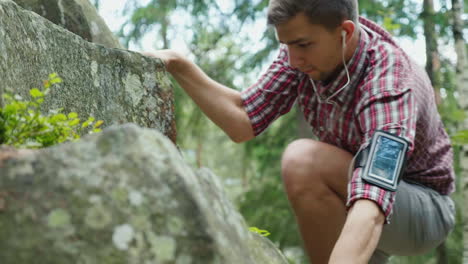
113 85
149 206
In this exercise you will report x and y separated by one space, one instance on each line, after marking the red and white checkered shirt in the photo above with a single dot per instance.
388 91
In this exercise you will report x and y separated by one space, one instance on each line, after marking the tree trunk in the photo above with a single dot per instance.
164 29
462 88
433 70
432 51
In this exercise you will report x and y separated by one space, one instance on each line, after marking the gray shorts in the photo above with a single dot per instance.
422 218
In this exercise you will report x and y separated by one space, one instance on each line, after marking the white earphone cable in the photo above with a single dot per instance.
327 100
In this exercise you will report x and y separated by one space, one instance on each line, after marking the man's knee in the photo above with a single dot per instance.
299 165
299 157
314 167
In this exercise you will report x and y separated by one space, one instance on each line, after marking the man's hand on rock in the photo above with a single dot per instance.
169 57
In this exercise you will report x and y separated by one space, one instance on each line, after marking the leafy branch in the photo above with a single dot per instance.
22 124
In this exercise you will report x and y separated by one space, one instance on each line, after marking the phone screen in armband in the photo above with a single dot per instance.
385 161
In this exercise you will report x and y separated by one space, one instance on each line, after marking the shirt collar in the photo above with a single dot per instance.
355 67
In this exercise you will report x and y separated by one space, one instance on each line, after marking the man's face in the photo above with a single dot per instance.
313 49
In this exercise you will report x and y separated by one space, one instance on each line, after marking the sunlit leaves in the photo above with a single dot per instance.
400 17
34 92
23 125
389 25
259 231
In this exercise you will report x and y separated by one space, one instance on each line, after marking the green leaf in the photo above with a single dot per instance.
88 122
72 115
58 117
55 80
74 122
52 75
259 231
98 123
34 92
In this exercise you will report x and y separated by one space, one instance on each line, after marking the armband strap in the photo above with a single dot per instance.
361 158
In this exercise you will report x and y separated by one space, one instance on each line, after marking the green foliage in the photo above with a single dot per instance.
400 17
451 113
23 126
389 25
265 189
259 231
266 205
460 138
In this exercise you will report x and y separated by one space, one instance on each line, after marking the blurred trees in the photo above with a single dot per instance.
462 88
219 38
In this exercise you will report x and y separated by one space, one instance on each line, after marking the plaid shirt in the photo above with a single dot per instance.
387 91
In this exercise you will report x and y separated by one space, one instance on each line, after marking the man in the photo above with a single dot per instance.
358 90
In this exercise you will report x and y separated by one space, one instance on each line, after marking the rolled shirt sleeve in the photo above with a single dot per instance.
273 94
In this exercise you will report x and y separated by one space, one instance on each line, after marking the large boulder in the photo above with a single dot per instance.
114 85
121 196
78 16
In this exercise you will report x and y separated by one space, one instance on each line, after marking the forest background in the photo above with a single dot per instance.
229 40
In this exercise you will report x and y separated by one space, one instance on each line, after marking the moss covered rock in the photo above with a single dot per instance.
114 85
121 196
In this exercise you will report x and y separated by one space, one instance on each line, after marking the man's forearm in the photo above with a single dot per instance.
220 103
360 234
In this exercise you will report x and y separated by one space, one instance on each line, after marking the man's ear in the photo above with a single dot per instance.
349 28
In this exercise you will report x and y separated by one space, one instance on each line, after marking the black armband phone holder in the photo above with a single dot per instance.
383 161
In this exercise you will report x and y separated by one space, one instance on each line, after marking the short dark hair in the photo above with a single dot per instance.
329 13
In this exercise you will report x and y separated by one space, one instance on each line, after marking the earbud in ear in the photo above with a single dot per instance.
343 34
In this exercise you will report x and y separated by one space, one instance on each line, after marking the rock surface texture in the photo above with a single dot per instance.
114 85
78 16
120 196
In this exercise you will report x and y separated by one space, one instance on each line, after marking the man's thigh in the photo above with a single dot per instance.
421 220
